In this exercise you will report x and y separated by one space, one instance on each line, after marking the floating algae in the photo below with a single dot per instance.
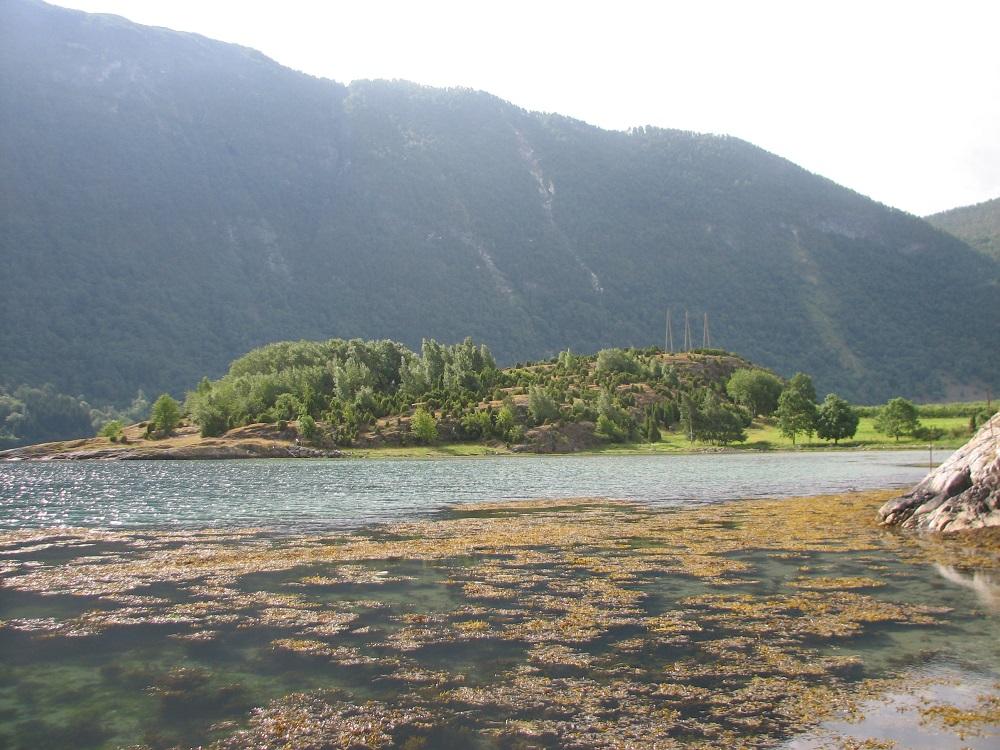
570 623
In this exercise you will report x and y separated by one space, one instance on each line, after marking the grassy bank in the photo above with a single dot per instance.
760 437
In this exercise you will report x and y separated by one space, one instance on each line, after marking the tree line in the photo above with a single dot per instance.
337 391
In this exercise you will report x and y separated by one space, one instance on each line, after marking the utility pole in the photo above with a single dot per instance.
670 334
687 332
706 340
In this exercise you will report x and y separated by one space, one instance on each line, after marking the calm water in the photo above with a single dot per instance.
161 624
297 495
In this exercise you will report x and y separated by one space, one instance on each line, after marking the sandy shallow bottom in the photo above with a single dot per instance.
585 623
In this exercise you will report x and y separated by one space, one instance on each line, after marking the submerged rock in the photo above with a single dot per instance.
962 493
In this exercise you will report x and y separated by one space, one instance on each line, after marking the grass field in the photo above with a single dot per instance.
767 437
759 437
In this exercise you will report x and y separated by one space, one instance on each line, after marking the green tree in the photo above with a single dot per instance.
757 390
718 424
690 417
286 407
615 360
505 421
477 424
307 427
836 420
804 385
166 414
897 417
606 429
541 405
651 431
423 426
112 430
796 412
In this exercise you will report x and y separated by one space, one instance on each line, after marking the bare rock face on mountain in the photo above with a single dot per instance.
962 493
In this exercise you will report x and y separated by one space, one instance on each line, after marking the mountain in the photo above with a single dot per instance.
978 225
168 202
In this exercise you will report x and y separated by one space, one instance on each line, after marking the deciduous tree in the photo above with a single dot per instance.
897 417
836 420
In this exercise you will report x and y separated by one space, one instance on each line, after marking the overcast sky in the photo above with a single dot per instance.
897 100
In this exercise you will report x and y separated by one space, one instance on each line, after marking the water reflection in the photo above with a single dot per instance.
985 585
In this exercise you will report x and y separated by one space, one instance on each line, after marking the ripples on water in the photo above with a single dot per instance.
100 631
303 494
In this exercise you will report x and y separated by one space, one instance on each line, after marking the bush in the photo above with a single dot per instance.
929 434
166 414
605 429
423 426
515 434
477 424
541 405
307 427
615 361
112 430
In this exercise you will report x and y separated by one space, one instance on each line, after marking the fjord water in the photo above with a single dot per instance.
159 621
302 494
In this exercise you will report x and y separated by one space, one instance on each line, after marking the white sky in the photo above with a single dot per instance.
897 100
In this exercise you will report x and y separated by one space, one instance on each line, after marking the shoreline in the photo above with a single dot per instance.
183 448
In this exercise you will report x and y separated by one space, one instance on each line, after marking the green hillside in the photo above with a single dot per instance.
978 225
168 202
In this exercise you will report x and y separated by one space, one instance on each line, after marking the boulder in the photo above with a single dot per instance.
962 493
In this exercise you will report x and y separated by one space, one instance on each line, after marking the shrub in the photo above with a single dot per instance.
166 414
307 427
541 405
113 430
423 426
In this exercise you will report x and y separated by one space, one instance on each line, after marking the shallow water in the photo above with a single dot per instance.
676 621
309 494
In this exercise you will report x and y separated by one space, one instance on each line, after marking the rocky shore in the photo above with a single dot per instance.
252 441
962 493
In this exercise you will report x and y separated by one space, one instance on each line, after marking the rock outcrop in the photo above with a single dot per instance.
962 493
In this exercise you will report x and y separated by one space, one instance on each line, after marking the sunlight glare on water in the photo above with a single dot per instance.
300 494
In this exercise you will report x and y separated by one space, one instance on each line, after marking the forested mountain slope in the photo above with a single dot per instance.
168 202
979 225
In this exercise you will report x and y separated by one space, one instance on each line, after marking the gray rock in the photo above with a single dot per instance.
962 493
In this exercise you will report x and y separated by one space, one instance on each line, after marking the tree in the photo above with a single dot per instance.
717 424
307 427
477 424
112 430
796 412
423 426
897 417
690 417
615 360
651 431
836 420
757 390
804 385
505 422
541 405
606 429
166 414
286 407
